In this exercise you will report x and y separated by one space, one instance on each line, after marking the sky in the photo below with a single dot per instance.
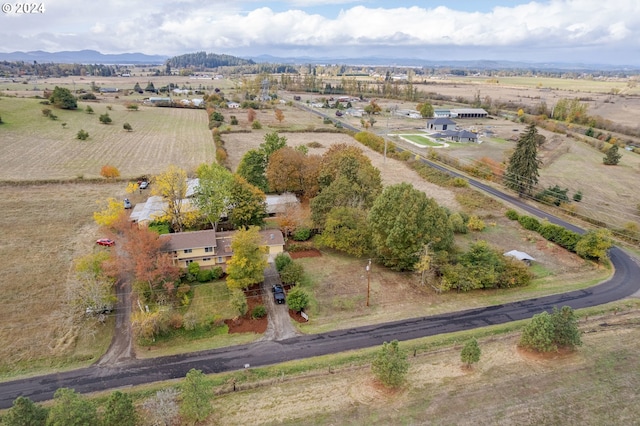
569 31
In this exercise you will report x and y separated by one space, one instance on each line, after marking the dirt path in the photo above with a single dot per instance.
279 323
121 349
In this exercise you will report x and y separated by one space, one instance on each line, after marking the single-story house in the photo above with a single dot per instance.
410 113
354 112
439 124
442 113
470 113
457 135
520 255
212 249
279 203
233 105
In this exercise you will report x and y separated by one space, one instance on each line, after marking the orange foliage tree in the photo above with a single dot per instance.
279 115
109 172
251 115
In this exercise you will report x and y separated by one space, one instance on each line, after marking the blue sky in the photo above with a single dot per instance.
587 31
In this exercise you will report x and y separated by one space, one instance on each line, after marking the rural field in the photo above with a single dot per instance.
44 228
54 221
38 148
596 385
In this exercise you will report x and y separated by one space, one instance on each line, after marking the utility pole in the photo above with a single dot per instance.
368 281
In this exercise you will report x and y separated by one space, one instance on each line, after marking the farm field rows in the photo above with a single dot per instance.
35 147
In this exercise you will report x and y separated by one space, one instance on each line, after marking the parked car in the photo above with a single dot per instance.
278 294
105 242
144 184
127 203
339 114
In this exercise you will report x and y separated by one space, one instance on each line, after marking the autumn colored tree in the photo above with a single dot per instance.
109 172
372 108
279 115
248 262
213 191
141 254
110 211
251 115
426 110
285 171
594 244
94 287
248 206
172 187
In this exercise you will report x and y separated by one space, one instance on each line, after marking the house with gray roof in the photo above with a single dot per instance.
439 124
213 249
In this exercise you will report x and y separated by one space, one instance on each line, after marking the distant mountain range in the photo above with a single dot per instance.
95 57
84 57
464 64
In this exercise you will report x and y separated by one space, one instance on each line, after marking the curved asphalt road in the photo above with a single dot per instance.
625 282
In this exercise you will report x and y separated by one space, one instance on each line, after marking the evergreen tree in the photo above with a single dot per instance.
62 98
196 397
390 365
119 410
522 172
70 408
24 412
613 156
470 352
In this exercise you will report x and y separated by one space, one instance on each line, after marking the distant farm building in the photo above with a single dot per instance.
469 113
440 124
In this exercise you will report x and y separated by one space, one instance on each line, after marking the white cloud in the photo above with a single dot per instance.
174 27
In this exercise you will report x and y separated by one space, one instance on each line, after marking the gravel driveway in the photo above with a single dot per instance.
279 325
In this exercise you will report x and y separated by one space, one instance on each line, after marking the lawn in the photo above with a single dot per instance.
420 140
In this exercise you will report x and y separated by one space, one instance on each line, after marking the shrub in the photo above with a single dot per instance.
233 120
302 234
297 299
88 109
216 273
204 275
256 125
105 119
314 145
259 312
529 223
475 224
190 321
460 182
512 214
457 223
577 197
282 260
127 127
82 135
292 273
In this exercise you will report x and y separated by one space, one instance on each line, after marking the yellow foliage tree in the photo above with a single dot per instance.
172 187
132 187
110 211
109 172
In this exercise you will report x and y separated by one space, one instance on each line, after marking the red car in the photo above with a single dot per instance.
105 242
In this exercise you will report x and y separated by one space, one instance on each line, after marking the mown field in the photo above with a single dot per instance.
35 147
44 228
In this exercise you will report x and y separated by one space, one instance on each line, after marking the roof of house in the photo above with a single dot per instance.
211 238
464 134
189 240
469 111
279 203
520 255
440 120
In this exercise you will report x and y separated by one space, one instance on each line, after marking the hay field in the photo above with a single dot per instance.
36 147
43 228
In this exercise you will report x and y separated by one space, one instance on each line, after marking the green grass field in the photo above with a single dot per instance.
420 140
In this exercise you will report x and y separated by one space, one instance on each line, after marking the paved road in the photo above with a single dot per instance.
625 282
